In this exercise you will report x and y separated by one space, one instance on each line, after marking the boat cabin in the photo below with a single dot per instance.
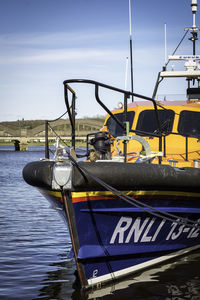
180 126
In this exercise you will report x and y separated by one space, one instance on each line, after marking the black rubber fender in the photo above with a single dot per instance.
39 173
135 176
118 175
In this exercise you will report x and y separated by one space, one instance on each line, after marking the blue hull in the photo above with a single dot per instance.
113 233
115 239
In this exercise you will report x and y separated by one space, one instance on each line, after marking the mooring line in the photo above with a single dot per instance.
139 204
136 203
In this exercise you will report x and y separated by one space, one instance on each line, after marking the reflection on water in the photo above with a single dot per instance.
177 280
34 243
58 283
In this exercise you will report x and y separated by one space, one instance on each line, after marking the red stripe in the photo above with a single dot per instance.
146 197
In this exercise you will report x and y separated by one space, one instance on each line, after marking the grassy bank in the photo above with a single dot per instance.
32 144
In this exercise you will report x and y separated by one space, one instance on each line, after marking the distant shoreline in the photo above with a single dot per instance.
32 144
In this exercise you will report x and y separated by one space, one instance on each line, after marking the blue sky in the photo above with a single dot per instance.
44 42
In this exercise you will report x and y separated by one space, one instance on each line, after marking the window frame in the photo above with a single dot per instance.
147 111
117 127
181 129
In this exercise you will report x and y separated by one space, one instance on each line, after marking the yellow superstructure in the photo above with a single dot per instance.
180 143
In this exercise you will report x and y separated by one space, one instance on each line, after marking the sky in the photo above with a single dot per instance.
44 42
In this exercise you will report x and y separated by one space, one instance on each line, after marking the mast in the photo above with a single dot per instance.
192 62
194 29
194 32
126 74
131 49
165 29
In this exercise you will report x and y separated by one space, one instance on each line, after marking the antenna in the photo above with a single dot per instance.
194 32
126 74
165 44
131 49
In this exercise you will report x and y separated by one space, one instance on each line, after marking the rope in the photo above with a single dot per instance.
178 45
72 237
136 203
57 135
139 204
58 117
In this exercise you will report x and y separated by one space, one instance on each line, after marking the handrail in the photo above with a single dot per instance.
71 112
127 95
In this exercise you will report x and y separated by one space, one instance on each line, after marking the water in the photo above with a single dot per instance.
35 241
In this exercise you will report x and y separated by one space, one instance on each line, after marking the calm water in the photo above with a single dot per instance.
34 243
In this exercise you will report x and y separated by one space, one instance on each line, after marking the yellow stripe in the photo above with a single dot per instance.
128 193
135 193
52 193
92 193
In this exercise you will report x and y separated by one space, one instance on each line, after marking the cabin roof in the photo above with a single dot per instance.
165 103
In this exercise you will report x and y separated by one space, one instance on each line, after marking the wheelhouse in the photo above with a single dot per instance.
180 127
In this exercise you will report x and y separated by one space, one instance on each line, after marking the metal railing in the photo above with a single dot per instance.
126 94
47 125
71 113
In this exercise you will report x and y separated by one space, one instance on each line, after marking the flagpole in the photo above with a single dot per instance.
131 48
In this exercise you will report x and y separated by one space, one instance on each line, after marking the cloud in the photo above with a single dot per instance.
60 47
57 38
44 60
61 55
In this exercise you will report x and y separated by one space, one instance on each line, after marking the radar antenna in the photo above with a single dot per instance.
192 64
194 29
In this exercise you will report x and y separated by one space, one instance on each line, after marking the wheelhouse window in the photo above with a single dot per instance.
189 123
148 124
114 128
